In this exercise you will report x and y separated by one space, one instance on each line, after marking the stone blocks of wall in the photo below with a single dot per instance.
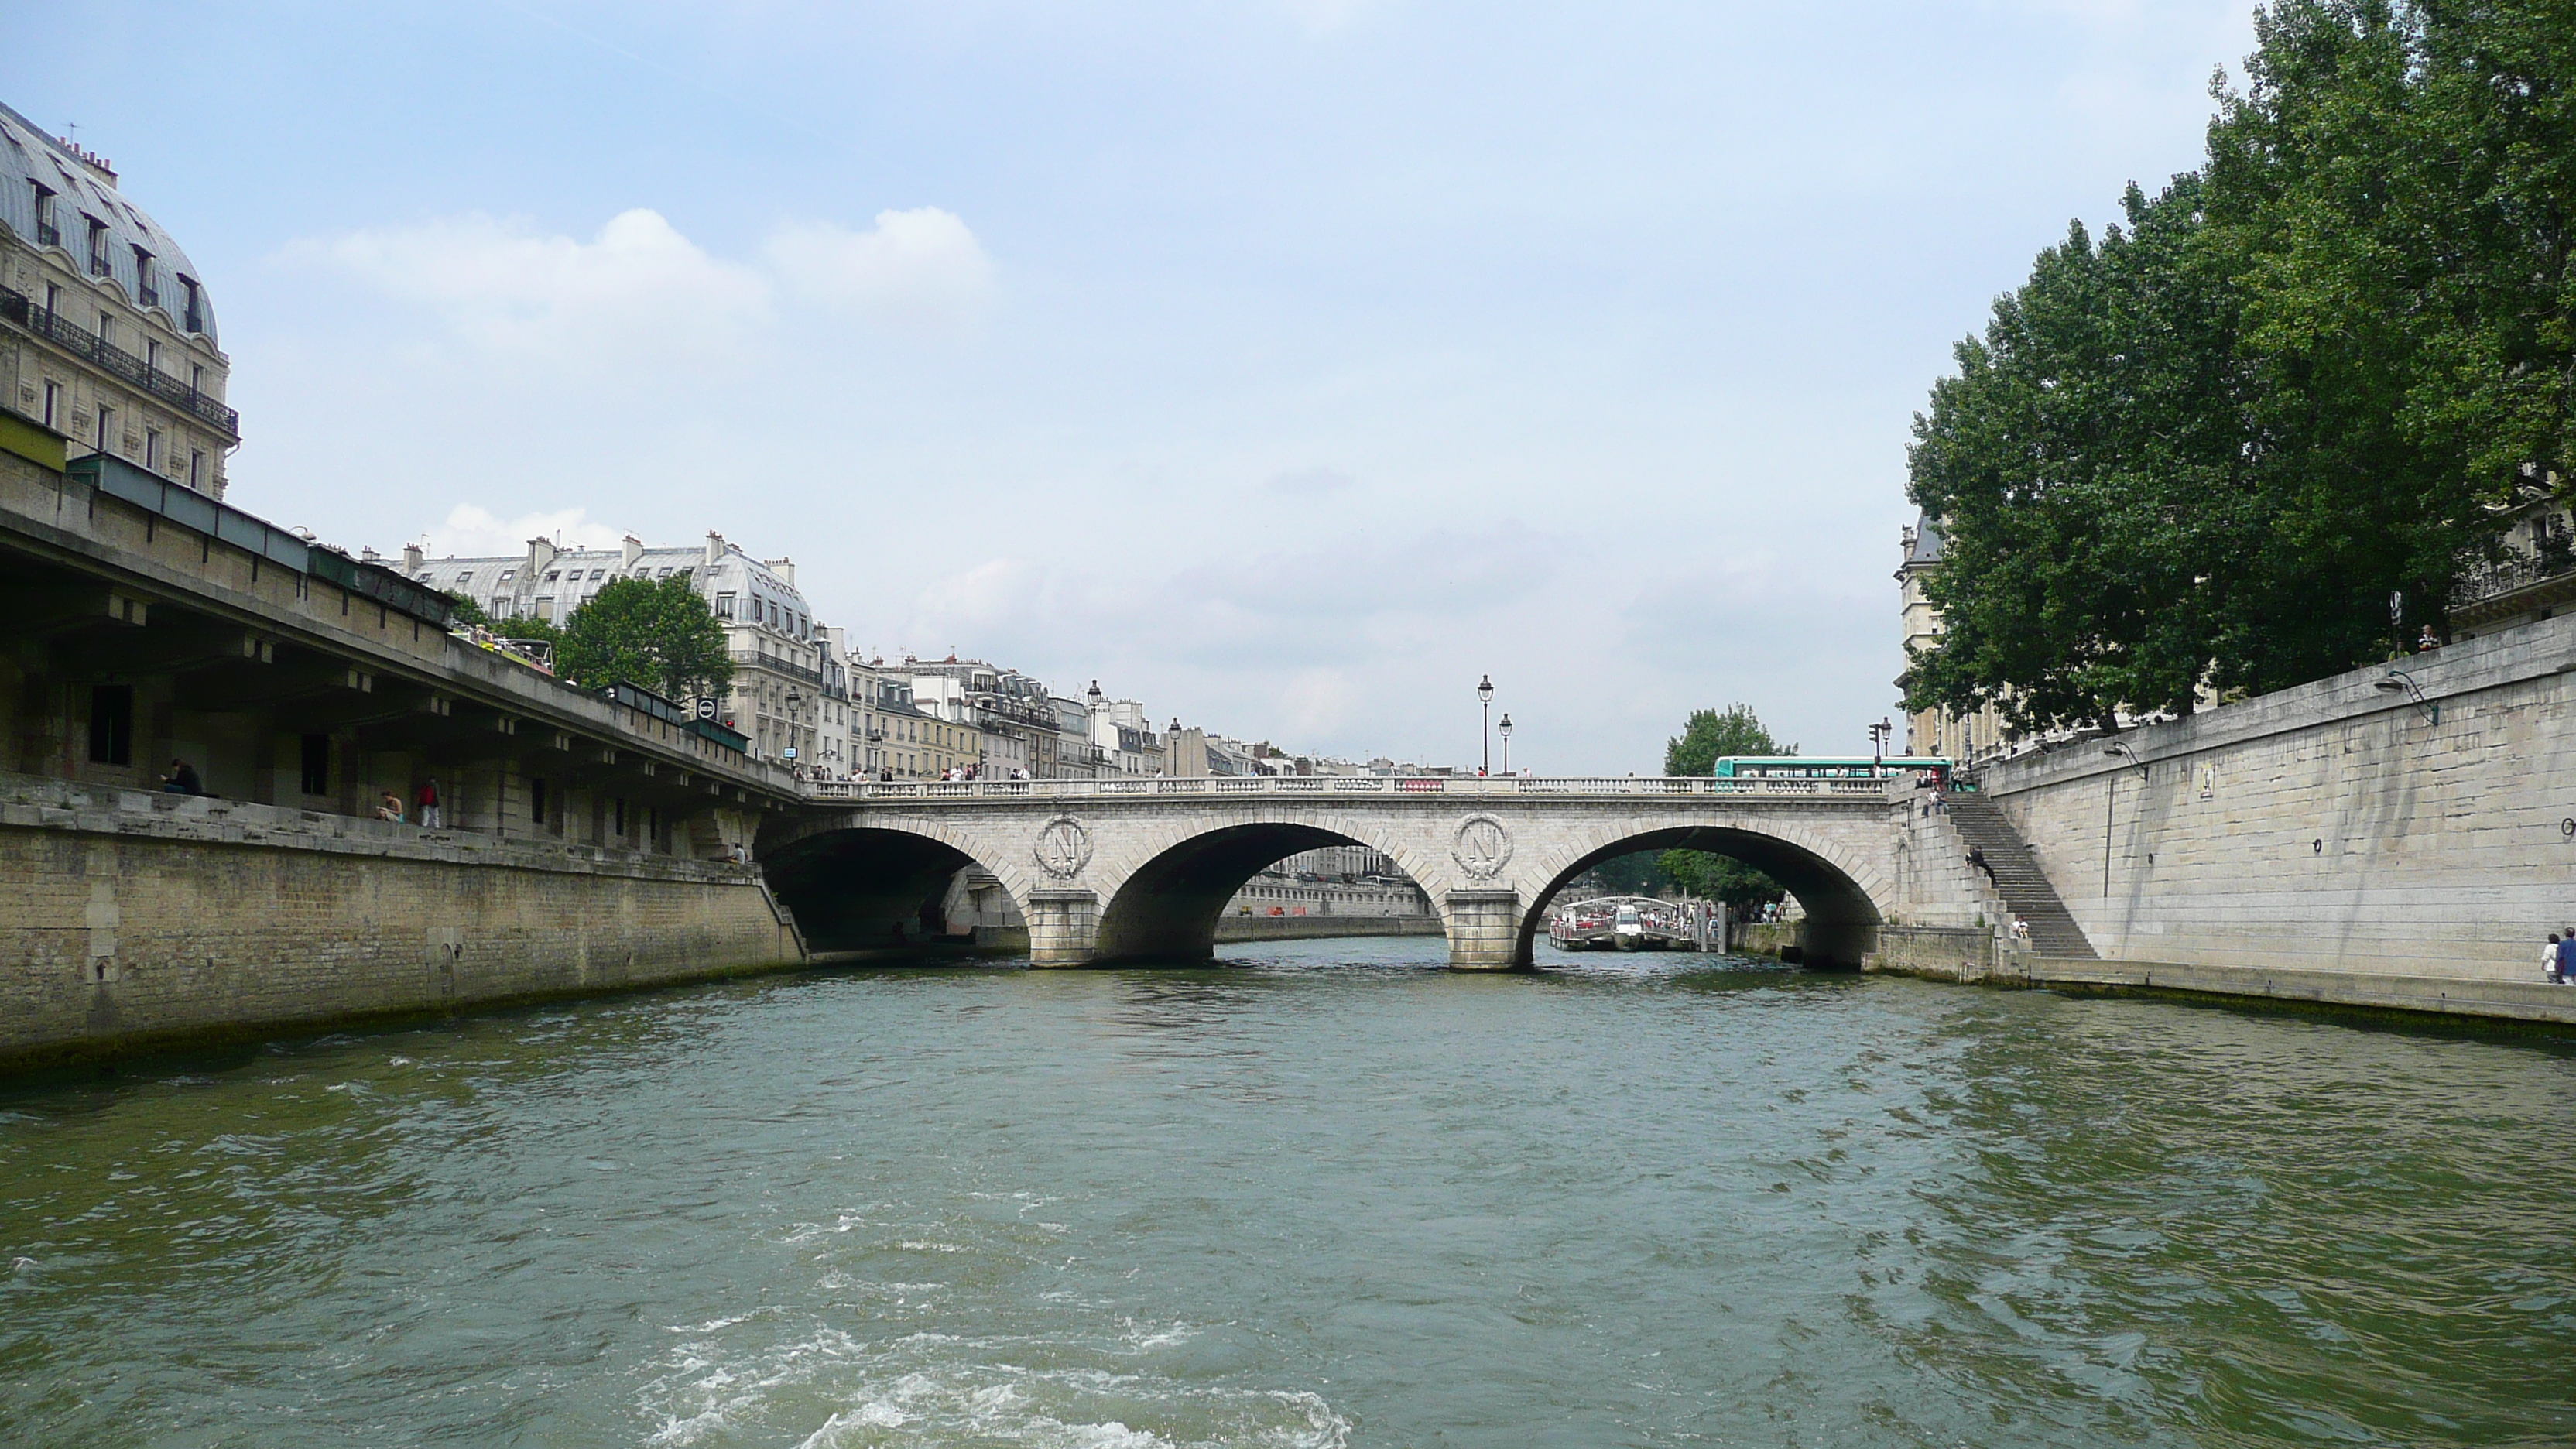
2335 827
130 920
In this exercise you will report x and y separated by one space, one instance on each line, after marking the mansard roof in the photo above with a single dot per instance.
30 158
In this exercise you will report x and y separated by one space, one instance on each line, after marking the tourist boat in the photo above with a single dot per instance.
1627 923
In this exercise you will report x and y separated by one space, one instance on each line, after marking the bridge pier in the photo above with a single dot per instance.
1484 930
1064 927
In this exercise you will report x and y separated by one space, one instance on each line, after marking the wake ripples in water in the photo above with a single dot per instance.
1329 1196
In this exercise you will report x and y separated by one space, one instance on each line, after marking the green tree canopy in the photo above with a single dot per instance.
654 632
1709 735
2205 450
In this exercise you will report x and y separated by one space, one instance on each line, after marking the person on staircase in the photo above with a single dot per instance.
1977 858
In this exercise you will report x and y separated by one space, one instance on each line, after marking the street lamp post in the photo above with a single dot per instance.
1506 728
2110 794
1485 697
1881 735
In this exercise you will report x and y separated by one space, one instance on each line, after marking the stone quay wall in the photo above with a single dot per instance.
133 921
2335 831
1324 928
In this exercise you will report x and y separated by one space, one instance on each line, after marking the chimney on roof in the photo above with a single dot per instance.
411 558
541 552
785 568
634 550
715 548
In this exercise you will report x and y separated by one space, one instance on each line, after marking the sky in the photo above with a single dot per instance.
1285 364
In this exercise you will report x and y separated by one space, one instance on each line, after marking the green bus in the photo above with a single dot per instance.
1832 767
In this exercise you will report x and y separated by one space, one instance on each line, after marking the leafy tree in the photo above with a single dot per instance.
1708 735
654 632
2204 451
463 610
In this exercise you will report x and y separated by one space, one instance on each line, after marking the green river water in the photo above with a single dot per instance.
1328 1194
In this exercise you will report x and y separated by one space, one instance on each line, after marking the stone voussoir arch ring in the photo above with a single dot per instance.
1063 847
1482 847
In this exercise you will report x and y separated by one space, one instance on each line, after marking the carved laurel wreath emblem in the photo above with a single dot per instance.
1063 848
1484 847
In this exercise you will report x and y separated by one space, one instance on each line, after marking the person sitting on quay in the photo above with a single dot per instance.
182 779
390 807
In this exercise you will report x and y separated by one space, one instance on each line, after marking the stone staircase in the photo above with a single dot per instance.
2026 892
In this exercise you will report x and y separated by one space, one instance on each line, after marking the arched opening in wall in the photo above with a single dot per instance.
1841 920
854 890
1168 910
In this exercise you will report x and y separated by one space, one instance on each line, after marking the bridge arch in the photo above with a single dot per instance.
1841 895
1164 902
860 885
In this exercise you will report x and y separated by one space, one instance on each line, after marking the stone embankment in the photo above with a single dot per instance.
132 921
2399 838
1323 928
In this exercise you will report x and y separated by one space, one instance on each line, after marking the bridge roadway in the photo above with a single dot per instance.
1127 869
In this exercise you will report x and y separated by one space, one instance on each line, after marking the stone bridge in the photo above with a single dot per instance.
1139 869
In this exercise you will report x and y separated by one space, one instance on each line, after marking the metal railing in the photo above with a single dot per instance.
1856 792
19 308
2487 582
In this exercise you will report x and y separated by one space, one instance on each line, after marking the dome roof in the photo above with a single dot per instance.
28 155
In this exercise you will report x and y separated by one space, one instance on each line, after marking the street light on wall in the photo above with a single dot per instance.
2110 793
1485 697
1506 728
2398 681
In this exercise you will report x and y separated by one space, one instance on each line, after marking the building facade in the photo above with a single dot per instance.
789 691
1937 732
107 337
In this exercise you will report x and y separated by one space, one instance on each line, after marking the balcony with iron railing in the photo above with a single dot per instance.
20 309
2490 582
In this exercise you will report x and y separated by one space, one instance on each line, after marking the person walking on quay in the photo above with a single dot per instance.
431 817
2549 961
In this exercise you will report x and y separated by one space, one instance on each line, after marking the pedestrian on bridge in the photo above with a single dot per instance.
2553 962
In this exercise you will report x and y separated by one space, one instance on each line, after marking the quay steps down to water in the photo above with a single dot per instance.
2018 880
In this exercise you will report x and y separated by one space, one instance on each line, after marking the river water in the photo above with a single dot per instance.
1327 1195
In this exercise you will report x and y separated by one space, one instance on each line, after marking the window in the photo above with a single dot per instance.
196 378
724 606
145 288
98 246
152 449
553 574
111 724
49 232
195 321
317 764
599 573
508 574
106 420
151 354
197 472
106 328
54 406
53 299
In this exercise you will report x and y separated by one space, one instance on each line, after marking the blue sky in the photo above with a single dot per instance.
1285 364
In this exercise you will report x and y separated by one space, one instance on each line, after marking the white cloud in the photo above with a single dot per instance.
472 532
502 284
917 271
640 290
